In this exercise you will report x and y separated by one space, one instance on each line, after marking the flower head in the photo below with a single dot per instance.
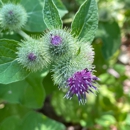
31 55
79 83
58 42
12 17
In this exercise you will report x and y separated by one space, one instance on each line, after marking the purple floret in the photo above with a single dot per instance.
56 40
10 12
31 57
80 83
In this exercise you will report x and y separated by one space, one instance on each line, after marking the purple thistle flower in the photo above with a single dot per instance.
80 83
56 40
31 56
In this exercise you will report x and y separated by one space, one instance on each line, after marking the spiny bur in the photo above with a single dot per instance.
58 43
12 17
30 55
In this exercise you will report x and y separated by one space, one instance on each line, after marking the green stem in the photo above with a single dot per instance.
67 21
1 2
23 34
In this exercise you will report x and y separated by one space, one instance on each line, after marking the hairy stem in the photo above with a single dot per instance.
1 2
23 34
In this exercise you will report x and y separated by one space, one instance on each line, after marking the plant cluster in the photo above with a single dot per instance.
58 48
40 52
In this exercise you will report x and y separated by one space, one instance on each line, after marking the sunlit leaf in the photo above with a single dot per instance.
85 22
10 70
50 15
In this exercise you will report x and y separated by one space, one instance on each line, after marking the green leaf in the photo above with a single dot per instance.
8 110
61 8
49 84
106 120
104 78
17 117
39 122
28 92
7 1
124 127
99 61
128 119
120 68
12 121
50 15
35 18
27 119
122 116
10 70
79 2
13 36
85 23
111 38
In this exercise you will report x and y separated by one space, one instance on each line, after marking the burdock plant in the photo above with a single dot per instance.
67 53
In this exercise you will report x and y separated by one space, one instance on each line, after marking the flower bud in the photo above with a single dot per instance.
58 42
30 54
12 17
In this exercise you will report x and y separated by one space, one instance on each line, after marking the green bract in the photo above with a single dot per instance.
85 55
31 55
12 17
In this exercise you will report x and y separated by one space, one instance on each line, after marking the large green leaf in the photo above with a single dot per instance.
106 120
35 18
12 121
28 92
9 110
10 70
85 23
50 15
40 122
99 61
111 38
49 84
7 1
61 8
13 36
16 117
